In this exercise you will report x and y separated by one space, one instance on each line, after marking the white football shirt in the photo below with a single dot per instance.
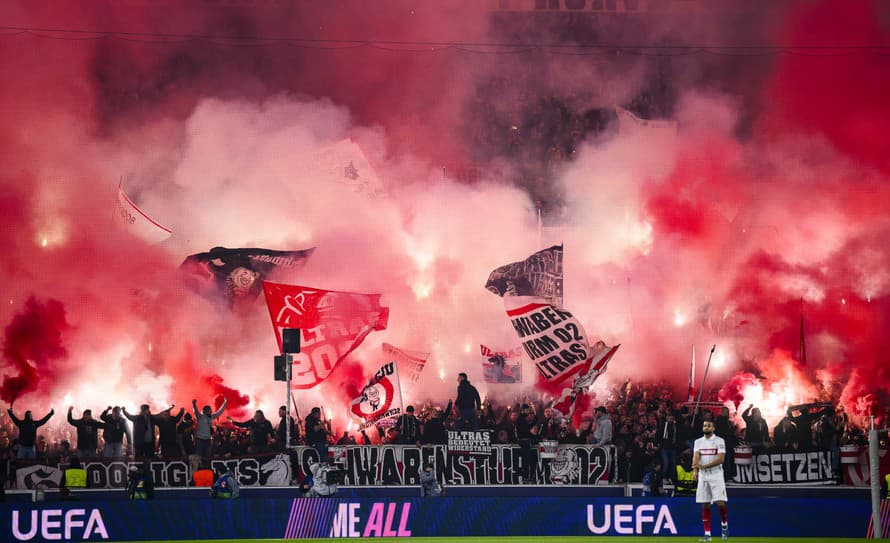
708 449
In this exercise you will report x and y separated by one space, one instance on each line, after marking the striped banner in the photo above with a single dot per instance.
306 518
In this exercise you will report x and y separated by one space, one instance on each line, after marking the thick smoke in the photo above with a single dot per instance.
32 345
770 201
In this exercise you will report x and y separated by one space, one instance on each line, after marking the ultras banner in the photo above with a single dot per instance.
262 518
501 367
376 465
380 401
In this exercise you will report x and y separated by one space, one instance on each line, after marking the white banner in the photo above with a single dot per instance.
31 476
380 401
552 338
502 367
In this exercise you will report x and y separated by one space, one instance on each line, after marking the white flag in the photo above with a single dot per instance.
137 222
380 401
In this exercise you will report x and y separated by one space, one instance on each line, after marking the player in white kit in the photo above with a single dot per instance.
707 468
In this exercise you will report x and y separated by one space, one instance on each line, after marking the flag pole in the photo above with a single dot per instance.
690 394
287 398
702 387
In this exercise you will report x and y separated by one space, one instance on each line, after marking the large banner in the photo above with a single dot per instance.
375 465
788 467
238 273
501 367
380 402
552 338
332 324
202 518
369 465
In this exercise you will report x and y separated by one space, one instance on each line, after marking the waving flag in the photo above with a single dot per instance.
380 401
567 400
502 367
137 221
344 163
551 337
539 275
411 362
332 324
237 273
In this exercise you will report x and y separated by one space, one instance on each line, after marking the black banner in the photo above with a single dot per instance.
371 465
788 467
469 442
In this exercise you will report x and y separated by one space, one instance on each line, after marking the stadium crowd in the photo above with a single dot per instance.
643 422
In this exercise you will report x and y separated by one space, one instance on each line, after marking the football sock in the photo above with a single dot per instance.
724 513
706 520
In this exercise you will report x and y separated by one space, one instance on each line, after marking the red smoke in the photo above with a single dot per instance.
837 93
32 343
236 401
734 389
775 192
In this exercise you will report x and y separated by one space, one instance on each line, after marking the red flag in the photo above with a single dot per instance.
332 324
575 390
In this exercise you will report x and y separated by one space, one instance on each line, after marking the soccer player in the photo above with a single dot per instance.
707 468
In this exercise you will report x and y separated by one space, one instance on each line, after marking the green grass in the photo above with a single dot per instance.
552 539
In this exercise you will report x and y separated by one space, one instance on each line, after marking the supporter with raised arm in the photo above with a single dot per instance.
87 432
261 431
167 437
204 427
144 431
116 428
756 429
28 432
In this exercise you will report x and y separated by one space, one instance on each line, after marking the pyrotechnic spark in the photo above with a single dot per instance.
421 288
679 318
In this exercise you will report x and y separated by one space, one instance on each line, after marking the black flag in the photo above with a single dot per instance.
237 273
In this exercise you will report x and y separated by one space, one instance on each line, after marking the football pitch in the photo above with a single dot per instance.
545 539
